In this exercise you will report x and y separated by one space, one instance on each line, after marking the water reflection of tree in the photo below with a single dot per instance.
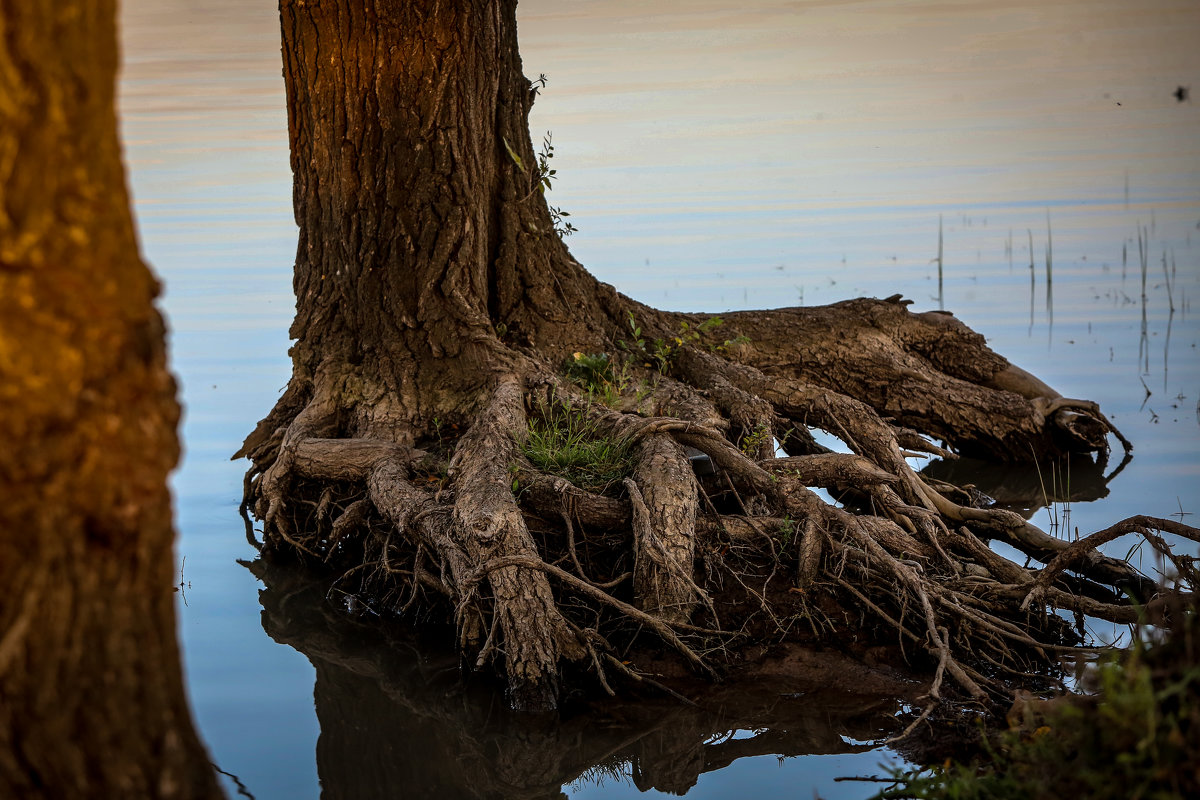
397 719
1029 488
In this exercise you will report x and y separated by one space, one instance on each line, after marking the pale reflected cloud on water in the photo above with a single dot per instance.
872 100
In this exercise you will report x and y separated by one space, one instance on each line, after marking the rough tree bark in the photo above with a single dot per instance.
91 692
438 320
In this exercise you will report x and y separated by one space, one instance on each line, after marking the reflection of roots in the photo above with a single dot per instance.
371 693
536 571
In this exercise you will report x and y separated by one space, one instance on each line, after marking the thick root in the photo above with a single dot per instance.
663 497
490 526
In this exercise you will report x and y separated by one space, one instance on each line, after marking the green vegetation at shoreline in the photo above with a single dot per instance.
1136 736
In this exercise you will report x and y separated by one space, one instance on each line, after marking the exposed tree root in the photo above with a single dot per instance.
727 543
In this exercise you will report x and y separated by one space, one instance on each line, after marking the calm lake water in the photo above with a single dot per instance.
714 156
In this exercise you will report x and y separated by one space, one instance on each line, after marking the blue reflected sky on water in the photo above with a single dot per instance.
713 158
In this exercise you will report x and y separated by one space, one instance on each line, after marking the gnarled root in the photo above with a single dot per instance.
489 526
711 544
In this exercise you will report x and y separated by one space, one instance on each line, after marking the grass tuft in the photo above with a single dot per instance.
603 380
565 443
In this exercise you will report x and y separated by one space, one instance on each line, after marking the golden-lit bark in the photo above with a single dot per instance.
91 693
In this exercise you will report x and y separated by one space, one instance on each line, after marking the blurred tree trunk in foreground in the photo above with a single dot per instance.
91 692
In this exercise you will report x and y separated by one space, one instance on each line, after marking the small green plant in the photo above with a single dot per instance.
603 380
787 531
543 175
443 431
561 226
649 353
659 353
752 440
728 343
1133 739
564 442
638 342
591 370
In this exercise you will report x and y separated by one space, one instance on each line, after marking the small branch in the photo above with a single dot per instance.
1086 546
640 678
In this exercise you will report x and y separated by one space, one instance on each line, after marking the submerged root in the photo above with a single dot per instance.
708 544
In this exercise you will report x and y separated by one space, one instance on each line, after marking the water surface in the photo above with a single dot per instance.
714 157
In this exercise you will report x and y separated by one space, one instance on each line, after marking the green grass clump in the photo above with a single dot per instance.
563 442
1137 737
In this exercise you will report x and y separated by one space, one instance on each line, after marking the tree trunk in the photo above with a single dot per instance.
441 322
419 233
91 692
